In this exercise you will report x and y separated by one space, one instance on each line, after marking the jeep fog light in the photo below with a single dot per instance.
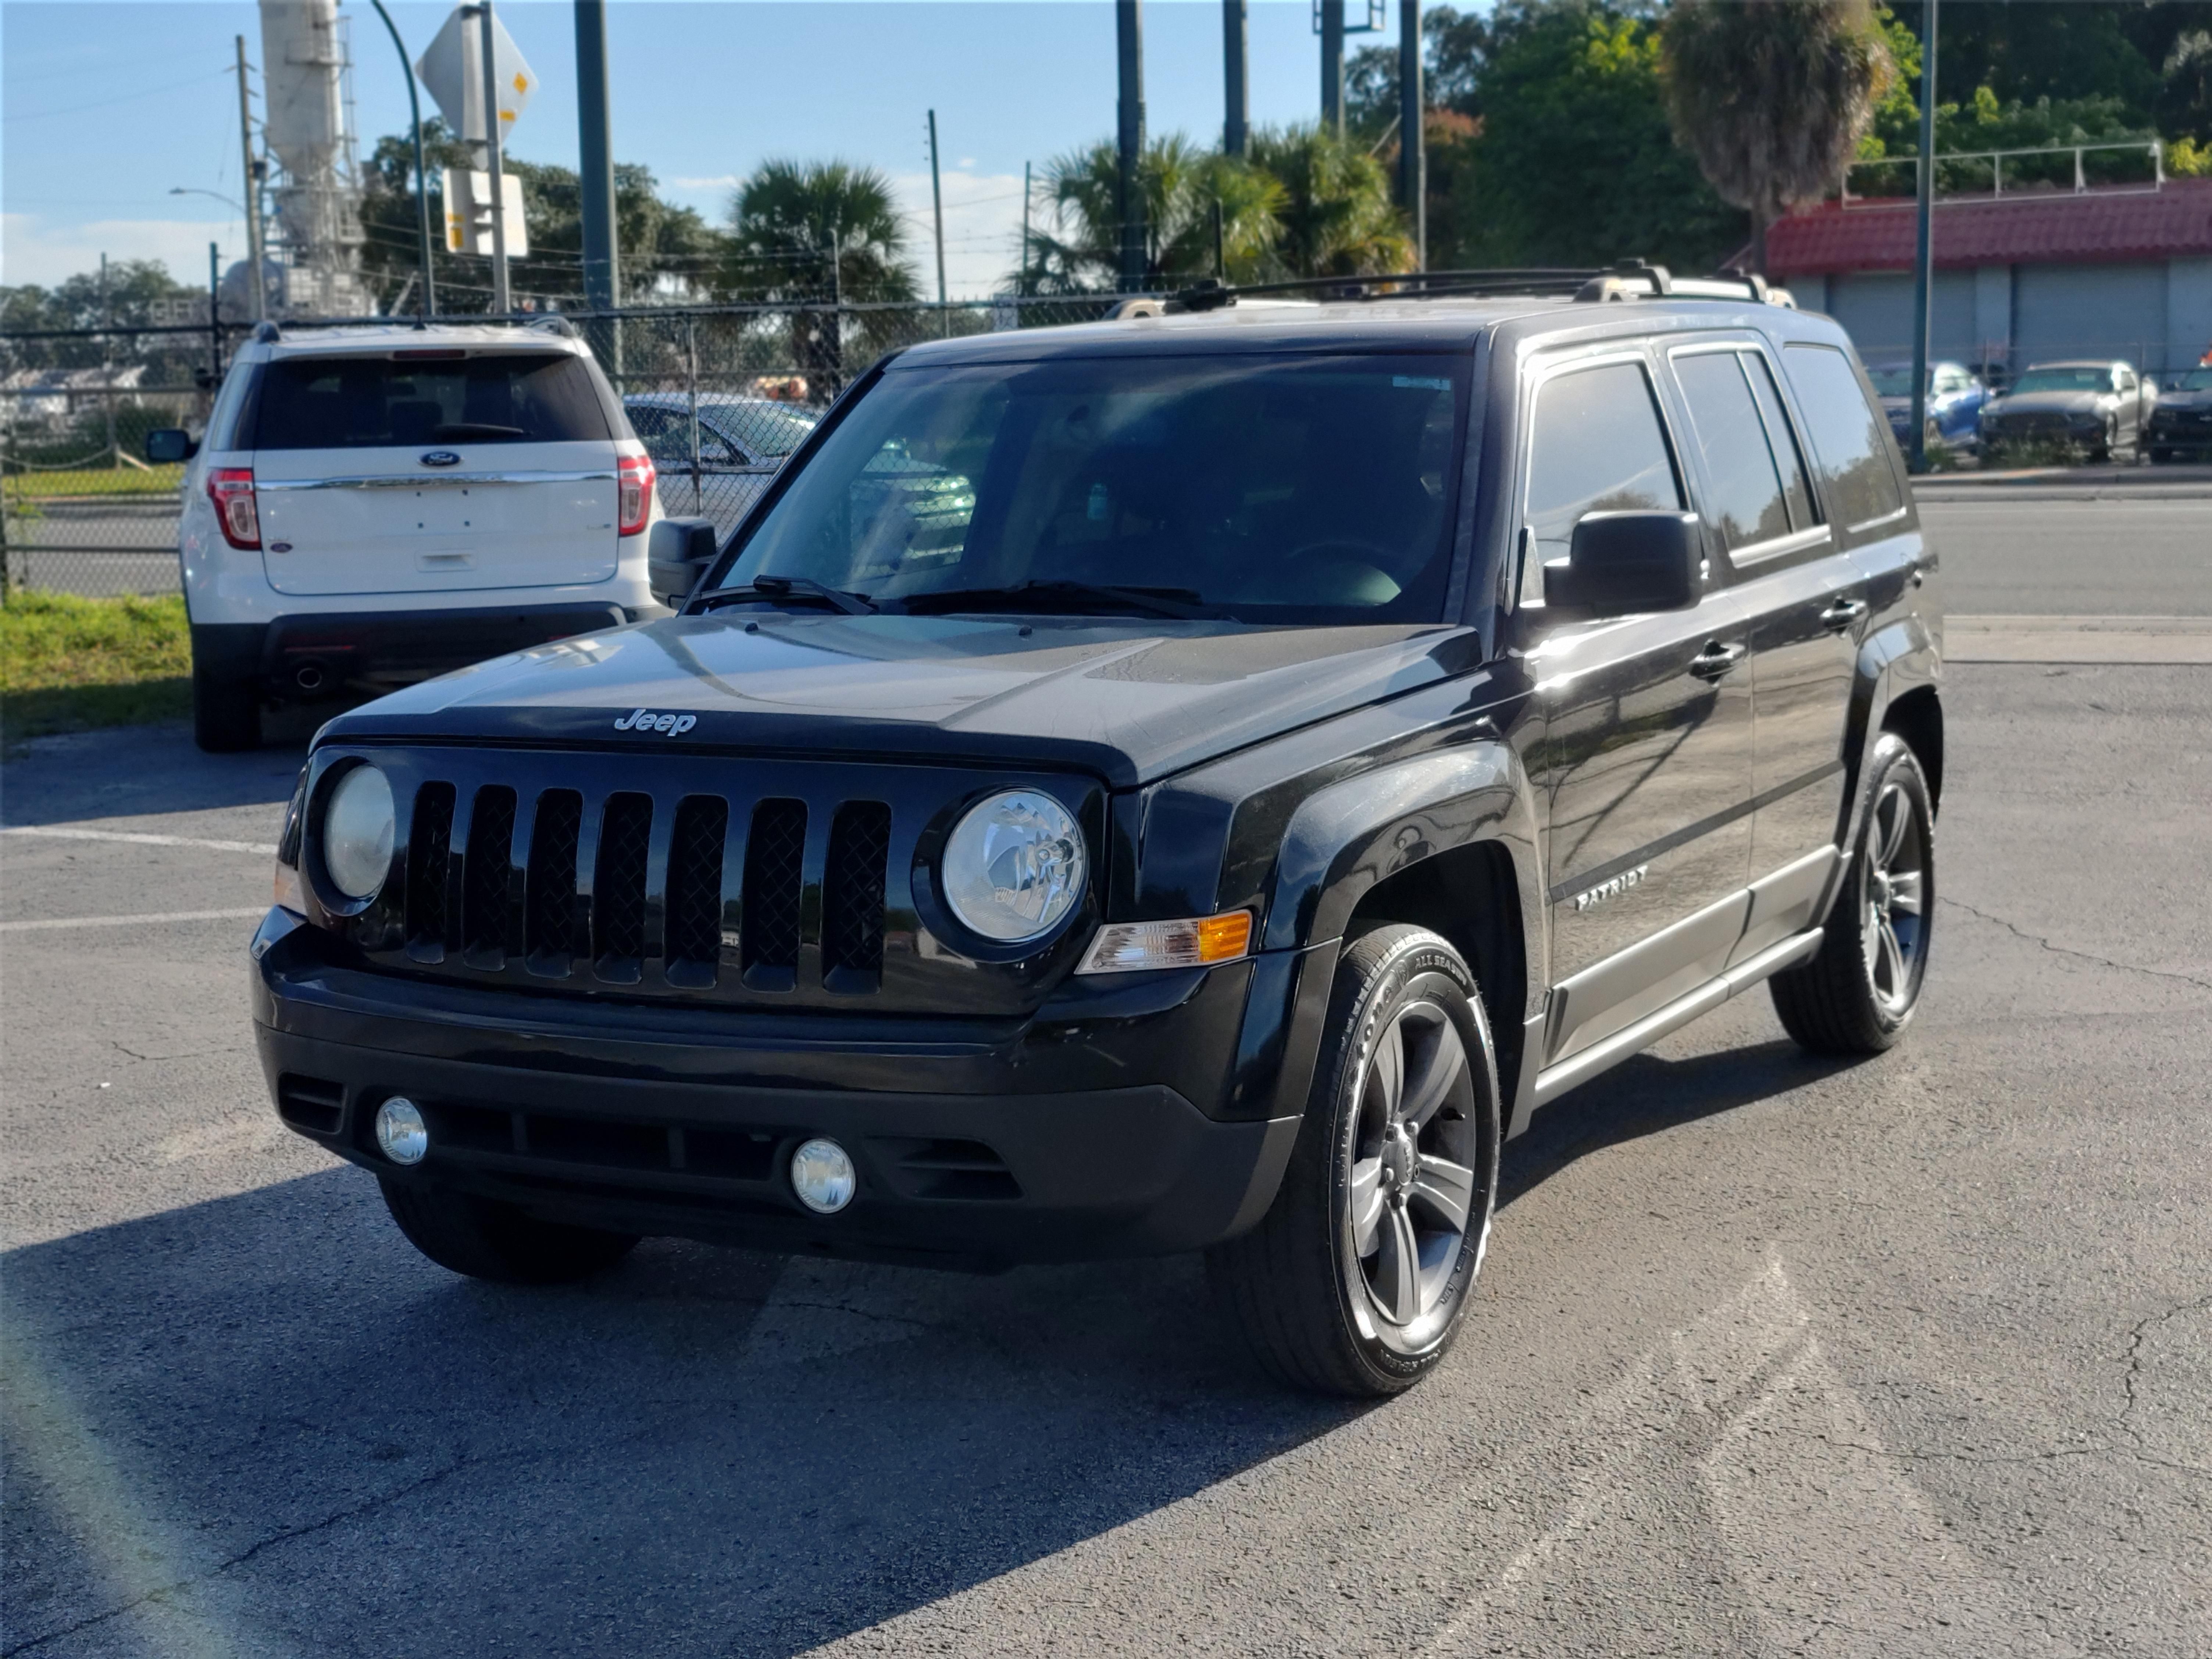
400 1132
1132 947
357 832
821 1174
1013 865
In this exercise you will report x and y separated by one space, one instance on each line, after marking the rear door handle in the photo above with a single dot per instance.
1717 659
1842 614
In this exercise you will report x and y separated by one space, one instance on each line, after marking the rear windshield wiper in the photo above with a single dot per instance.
1181 603
461 432
798 588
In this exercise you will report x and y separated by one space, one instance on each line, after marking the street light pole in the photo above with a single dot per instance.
1924 259
1332 67
1413 131
502 301
937 201
1129 195
1237 75
429 308
260 303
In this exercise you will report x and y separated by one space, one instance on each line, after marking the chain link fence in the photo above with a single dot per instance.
719 395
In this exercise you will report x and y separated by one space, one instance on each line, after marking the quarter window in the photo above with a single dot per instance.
1850 435
1745 486
1782 437
1596 445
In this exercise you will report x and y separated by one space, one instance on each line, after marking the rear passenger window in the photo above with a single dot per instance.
1596 445
1746 486
1848 435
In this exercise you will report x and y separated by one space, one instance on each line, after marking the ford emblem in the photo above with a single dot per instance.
442 457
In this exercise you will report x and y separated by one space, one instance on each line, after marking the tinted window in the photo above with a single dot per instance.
1596 445
1782 437
1300 488
2091 378
1850 437
357 403
1745 489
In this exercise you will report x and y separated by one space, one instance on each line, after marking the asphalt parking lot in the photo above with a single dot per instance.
1771 1356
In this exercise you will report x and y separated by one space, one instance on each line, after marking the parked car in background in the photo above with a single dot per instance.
376 506
2101 406
742 442
1955 396
2181 423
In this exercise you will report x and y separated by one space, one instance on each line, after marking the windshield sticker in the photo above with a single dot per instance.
1421 383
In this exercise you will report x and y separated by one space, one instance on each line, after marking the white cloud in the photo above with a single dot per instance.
721 181
982 230
34 250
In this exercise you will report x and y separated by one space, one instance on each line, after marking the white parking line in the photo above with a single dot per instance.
141 919
266 850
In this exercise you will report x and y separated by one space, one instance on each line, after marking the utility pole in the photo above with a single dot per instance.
260 301
215 316
1924 259
1236 76
107 360
1331 66
595 147
1413 131
502 301
429 304
1129 198
1026 217
937 200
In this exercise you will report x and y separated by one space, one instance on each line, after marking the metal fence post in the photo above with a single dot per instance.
691 381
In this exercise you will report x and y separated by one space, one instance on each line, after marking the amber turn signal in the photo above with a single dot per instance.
1134 947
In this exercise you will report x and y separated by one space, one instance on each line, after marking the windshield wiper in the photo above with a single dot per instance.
800 587
1179 603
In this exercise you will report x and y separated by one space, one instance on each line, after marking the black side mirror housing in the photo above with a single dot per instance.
167 445
1623 564
677 552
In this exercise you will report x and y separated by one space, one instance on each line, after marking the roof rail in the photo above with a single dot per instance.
553 323
1211 293
1633 279
266 330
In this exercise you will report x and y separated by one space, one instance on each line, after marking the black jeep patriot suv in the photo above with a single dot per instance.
1191 781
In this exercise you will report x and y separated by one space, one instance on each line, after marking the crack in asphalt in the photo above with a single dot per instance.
2134 1356
1918 1455
2020 933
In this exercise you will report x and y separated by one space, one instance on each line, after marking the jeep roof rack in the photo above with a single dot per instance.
1630 279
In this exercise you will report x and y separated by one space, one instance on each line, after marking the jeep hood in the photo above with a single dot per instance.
1132 701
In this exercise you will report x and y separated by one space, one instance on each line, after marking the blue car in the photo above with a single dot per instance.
1955 396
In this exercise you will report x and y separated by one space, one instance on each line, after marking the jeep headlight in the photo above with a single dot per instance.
1014 866
357 832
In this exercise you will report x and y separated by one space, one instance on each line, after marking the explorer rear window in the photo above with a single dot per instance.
369 403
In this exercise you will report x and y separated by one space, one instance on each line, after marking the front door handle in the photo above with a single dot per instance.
1714 661
1842 614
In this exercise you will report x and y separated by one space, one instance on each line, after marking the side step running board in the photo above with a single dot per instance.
1576 1069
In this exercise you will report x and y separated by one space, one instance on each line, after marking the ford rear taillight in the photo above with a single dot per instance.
633 493
231 489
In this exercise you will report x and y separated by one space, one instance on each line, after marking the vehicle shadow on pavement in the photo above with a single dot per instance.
263 1424
1646 1095
134 771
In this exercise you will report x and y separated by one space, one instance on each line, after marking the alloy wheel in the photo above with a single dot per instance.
1418 1177
1893 920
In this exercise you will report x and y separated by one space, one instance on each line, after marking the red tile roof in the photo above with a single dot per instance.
2175 221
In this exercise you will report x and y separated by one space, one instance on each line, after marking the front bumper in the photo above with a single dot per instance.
974 1148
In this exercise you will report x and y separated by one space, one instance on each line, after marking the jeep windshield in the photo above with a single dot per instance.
1265 488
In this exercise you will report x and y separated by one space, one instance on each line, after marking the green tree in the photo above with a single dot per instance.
1183 185
1771 96
809 230
1574 164
133 288
1336 218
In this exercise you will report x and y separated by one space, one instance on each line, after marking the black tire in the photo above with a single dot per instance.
486 1239
1857 995
1297 1288
226 713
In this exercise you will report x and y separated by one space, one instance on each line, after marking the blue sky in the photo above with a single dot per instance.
104 107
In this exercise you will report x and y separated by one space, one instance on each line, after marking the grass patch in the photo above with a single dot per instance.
69 664
96 481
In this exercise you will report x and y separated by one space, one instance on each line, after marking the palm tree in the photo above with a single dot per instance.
1771 96
816 232
1337 216
1182 186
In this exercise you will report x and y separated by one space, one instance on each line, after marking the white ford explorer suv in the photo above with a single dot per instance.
374 506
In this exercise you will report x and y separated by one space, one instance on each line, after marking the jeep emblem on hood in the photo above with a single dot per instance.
644 720
442 457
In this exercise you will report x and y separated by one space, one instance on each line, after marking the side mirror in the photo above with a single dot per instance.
167 445
676 552
1622 564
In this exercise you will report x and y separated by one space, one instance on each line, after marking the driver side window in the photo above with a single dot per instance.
1595 444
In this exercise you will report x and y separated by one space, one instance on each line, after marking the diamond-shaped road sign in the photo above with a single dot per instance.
452 69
